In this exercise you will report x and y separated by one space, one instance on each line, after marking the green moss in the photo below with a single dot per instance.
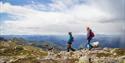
13 49
103 54
119 52
26 60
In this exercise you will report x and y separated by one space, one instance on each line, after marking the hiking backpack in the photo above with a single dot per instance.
92 34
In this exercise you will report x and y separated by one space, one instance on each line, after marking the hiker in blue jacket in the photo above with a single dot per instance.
71 39
90 35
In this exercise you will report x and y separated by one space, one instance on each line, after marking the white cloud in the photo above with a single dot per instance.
74 19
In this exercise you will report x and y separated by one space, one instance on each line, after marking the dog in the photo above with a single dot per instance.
95 44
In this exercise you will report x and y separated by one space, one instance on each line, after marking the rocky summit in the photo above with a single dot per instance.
105 55
12 52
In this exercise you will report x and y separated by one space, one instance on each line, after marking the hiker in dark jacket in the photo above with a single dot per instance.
90 35
71 39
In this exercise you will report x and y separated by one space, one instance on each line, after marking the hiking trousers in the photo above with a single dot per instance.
69 47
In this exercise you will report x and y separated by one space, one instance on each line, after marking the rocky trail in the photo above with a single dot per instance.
105 55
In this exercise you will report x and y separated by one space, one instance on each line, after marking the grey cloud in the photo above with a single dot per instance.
115 7
62 28
113 20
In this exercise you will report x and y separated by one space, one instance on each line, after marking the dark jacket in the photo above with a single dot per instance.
90 35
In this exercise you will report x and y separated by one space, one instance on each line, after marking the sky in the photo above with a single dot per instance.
27 17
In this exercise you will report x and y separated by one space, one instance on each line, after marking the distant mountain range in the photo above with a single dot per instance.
113 41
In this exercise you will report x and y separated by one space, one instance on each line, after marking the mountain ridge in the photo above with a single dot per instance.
112 41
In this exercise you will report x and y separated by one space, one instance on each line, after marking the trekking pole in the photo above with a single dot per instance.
86 43
81 46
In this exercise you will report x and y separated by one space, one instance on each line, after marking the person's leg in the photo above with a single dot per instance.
88 41
68 47
72 49
90 46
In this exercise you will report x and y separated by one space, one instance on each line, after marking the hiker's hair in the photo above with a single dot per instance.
70 32
88 28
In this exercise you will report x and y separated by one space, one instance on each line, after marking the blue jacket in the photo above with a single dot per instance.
71 39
